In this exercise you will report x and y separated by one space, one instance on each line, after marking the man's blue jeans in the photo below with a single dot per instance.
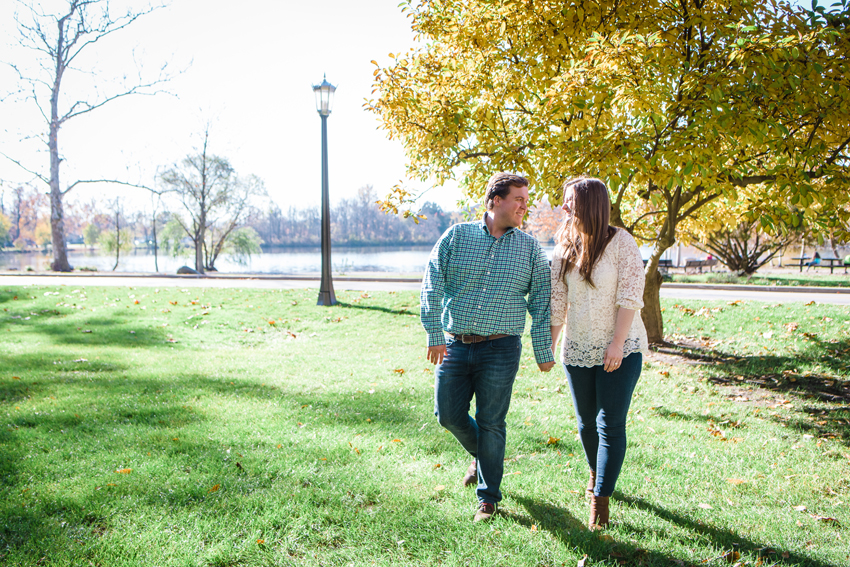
601 400
487 370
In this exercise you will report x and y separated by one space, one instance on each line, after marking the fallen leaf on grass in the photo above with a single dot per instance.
214 488
736 302
173 302
440 487
825 519
438 465
736 481
124 471
170 340
261 541
553 440
705 506
582 562
16 378
399 370
396 440
82 360
812 302
800 508
732 556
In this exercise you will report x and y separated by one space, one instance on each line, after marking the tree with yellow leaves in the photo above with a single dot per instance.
673 103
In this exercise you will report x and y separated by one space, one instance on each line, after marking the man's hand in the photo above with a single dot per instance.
546 366
436 354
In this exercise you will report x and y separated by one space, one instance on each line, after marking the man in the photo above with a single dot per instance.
473 309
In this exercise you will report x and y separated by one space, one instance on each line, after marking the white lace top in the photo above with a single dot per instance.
591 312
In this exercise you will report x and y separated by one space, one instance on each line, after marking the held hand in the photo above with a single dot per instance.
613 357
436 354
546 366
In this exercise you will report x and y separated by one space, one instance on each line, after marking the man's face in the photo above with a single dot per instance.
511 209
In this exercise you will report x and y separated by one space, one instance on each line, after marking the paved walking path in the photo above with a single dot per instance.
834 295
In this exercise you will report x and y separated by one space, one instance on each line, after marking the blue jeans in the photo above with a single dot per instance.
487 370
601 400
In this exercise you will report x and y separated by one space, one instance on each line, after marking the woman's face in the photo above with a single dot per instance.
567 207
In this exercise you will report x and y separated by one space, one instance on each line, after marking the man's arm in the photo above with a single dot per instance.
431 298
539 308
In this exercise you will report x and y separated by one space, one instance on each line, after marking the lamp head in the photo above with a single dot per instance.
324 96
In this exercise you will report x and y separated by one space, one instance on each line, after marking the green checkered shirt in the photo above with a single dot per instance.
475 284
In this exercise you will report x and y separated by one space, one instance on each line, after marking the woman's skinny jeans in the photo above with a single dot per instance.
601 400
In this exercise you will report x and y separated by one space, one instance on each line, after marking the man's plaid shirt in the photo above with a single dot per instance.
476 284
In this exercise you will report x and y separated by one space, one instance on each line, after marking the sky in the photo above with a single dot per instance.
245 68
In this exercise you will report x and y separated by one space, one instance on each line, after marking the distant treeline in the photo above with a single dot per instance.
355 221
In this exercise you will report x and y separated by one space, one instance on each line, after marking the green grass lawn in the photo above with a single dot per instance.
250 427
816 278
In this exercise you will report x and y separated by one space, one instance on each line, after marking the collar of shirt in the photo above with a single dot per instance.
483 225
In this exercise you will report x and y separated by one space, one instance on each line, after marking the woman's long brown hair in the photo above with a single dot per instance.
585 232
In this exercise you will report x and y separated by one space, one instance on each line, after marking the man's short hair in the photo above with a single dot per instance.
500 186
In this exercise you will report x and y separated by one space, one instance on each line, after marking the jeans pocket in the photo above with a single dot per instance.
506 344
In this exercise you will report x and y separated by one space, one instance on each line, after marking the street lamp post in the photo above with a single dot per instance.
324 101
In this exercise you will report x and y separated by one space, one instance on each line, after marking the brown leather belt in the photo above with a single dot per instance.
470 339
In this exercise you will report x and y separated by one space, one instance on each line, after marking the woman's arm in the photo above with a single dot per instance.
614 352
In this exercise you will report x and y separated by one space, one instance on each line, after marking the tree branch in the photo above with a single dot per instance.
113 181
28 170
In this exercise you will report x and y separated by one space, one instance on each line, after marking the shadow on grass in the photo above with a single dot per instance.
112 331
726 539
573 534
748 378
401 311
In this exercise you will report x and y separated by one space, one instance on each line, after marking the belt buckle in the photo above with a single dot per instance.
467 339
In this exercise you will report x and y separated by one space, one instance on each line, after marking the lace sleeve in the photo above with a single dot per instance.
559 292
630 279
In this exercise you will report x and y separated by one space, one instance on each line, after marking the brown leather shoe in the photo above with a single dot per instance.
485 512
598 513
591 484
471 474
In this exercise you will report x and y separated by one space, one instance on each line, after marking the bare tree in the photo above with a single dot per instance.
744 248
58 40
214 199
119 238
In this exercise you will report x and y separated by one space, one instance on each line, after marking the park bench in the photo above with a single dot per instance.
830 263
664 265
698 265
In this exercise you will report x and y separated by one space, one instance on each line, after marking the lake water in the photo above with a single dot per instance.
284 261
398 259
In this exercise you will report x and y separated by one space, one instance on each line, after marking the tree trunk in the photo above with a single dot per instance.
117 239
199 247
155 245
651 312
57 215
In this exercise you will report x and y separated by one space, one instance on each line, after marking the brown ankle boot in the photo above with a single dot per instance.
598 513
591 484
471 476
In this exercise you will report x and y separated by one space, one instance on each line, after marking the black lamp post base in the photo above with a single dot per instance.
327 298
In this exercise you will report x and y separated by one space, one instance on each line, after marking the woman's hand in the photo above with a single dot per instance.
613 356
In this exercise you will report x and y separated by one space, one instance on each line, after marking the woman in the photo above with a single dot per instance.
597 288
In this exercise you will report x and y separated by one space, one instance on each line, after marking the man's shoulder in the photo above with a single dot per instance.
526 238
471 227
